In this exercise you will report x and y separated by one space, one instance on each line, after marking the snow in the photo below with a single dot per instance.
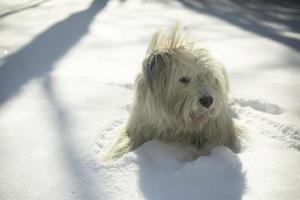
66 86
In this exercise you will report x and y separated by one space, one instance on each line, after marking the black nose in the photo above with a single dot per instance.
206 101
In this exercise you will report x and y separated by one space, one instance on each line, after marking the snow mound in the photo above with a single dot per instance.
257 113
168 171
259 105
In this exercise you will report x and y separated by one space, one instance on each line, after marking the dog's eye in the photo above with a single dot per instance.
184 79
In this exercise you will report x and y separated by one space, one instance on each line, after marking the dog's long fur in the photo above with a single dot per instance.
175 74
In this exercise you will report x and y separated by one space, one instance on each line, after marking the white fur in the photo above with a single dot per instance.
167 109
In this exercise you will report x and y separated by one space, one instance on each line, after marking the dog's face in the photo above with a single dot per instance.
189 87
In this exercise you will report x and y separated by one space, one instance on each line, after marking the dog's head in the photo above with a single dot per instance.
187 85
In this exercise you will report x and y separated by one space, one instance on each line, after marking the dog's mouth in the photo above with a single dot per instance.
196 116
199 117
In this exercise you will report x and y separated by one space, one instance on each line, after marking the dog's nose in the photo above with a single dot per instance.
206 101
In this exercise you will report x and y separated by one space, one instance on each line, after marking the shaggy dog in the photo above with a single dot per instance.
180 96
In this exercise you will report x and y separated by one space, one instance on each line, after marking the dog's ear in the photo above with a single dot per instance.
154 67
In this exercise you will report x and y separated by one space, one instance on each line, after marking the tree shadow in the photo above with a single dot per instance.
37 58
22 8
266 18
74 166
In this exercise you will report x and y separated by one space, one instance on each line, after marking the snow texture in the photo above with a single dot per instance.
66 86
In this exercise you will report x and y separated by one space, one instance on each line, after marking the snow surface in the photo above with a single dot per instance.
66 86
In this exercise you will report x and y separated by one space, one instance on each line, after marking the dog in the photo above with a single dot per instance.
181 96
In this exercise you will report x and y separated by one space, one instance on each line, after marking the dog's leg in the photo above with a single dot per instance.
206 150
220 131
123 144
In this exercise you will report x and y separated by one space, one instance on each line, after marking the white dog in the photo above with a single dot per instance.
181 97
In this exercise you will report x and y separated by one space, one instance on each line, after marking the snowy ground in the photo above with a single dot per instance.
66 75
